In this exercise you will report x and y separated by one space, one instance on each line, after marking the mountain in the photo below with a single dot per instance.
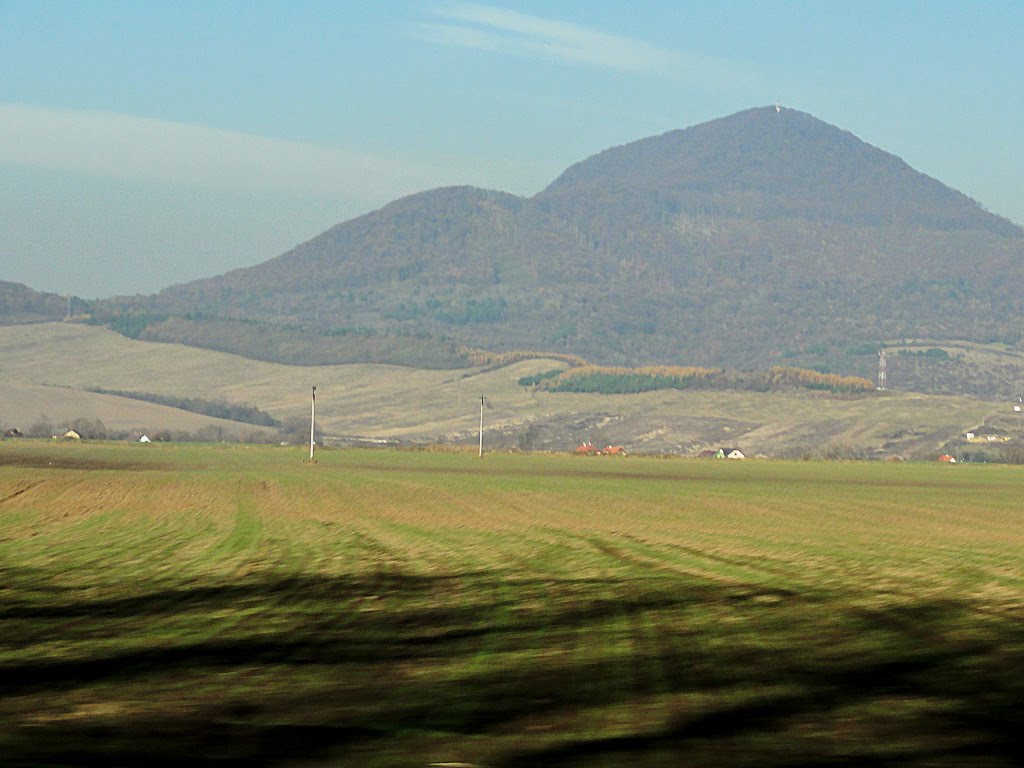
761 237
766 164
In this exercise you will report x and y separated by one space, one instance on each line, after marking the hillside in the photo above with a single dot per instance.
761 238
372 403
35 408
20 304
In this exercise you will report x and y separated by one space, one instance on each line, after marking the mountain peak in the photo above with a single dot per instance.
749 240
776 162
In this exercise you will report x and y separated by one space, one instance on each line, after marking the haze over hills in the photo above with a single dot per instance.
766 236
760 237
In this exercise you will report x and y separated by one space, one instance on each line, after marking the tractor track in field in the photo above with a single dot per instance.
539 611
20 491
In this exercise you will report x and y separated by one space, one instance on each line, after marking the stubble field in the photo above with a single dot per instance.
235 606
392 403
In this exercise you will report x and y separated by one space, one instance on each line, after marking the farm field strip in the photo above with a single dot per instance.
392 402
408 608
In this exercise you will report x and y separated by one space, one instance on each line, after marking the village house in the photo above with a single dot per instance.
729 453
986 434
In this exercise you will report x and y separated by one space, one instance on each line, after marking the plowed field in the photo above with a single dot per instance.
234 606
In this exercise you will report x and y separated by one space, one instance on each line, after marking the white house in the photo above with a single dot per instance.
729 453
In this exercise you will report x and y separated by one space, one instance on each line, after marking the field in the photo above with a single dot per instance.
46 367
210 605
23 405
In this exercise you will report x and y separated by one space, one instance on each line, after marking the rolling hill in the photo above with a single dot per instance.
49 368
763 237
54 409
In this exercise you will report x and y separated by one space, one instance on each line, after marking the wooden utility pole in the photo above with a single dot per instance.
481 426
312 425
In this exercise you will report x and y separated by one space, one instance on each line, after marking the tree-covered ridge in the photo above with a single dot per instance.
780 376
608 380
20 304
612 380
760 239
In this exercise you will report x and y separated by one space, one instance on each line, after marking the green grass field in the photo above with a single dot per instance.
170 605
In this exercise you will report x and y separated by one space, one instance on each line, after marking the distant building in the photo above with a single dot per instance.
729 453
947 458
615 450
72 435
145 439
587 449
14 432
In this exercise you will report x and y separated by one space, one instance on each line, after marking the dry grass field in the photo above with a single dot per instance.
393 403
22 405
165 605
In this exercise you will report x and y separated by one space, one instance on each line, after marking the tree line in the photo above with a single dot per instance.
609 380
219 409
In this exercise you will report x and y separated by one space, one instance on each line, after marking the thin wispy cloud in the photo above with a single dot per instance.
115 145
487 28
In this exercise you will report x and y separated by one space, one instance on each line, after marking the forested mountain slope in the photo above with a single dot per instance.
767 236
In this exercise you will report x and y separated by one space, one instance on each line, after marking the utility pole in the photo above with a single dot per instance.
312 425
481 426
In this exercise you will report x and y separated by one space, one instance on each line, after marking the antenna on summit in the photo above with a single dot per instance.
778 106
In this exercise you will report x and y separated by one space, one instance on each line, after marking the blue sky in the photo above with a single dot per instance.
149 143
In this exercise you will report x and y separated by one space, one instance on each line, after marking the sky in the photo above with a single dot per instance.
144 144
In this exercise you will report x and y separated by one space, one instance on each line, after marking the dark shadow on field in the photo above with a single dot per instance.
506 672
